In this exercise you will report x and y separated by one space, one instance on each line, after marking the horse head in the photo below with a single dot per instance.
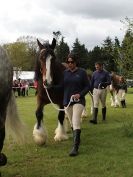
47 61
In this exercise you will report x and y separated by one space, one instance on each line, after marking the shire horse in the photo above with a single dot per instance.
8 108
48 73
114 88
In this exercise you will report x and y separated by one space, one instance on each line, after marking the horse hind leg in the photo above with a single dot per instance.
117 102
39 131
60 132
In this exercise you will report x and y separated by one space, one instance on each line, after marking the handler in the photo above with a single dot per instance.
76 85
99 82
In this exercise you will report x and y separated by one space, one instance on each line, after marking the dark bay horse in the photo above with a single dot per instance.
8 109
48 73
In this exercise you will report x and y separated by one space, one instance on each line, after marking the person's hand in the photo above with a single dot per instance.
103 85
76 97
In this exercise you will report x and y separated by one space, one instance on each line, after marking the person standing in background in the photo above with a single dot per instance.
99 82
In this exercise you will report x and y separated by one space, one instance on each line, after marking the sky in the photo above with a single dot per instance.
91 21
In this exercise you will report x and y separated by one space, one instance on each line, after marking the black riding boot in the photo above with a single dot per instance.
94 120
124 104
104 113
76 142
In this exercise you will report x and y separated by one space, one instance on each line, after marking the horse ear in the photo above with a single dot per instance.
52 46
40 45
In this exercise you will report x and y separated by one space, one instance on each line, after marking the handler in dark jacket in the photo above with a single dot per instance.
99 82
76 86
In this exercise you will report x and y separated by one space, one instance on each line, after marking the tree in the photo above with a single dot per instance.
127 54
22 53
126 48
62 50
94 56
109 55
81 52
32 49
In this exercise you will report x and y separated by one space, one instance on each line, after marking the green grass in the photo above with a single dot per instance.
106 148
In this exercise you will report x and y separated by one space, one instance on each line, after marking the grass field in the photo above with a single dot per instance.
106 148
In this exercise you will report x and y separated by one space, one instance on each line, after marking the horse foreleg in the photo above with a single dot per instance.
60 132
117 102
39 117
39 131
112 98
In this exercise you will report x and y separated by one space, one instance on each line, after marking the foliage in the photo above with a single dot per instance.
17 53
127 49
62 50
23 53
81 52
94 56
109 55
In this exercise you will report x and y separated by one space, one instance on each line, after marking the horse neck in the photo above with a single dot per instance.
58 70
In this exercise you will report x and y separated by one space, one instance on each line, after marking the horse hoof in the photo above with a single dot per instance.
60 137
3 159
39 136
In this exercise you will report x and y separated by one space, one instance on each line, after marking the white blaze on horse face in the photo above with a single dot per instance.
48 70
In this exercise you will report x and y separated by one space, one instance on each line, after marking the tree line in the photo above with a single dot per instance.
117 56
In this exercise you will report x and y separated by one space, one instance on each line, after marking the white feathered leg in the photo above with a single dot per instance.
112 101
39 135
117 103
60 133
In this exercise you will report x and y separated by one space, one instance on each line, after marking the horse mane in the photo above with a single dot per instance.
37 69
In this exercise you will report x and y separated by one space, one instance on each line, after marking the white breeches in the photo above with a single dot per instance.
74 113
99 95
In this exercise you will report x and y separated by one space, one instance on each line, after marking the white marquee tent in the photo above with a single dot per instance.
24 75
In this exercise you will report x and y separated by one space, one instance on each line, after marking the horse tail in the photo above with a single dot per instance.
13 121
